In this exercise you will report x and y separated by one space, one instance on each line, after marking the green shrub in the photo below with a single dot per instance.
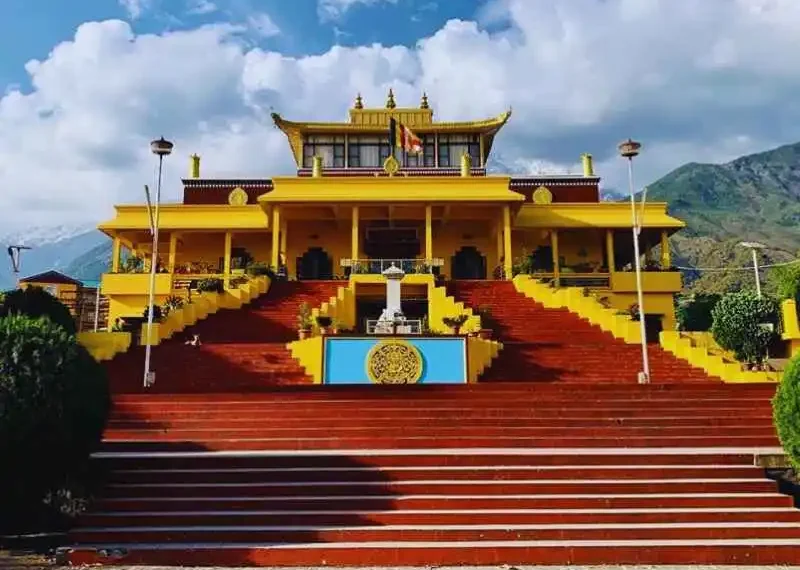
158 313
694 311
54 402
36 302
211 285
786 279
741 324
256 269
786 411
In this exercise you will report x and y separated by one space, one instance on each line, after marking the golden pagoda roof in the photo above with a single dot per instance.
376 121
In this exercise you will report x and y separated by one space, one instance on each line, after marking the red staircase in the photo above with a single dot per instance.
555 345
243 350
558 474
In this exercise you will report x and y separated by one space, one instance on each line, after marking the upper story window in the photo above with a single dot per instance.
367 151
330 148
427 158
451 147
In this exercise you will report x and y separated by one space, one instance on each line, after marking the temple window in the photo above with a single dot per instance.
427 158
366 151
451 147
330 148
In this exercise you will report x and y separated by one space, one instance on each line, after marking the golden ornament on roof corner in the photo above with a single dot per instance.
423 104
390 104
237 197
394 362
542 195
359 102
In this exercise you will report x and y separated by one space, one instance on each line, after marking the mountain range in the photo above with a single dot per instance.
752 198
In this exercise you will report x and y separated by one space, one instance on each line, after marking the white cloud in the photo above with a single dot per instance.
201 7
686 79
263 25
135 8
335 9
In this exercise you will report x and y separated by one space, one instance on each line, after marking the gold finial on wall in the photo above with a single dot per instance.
194 166
423 104
316 166
588 167
390 104
359 102
466 165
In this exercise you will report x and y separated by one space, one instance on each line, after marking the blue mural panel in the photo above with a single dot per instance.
443 359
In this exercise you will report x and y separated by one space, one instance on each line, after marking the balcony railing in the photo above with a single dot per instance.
410 326
378 266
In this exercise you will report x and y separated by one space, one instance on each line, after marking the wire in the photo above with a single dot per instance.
724 269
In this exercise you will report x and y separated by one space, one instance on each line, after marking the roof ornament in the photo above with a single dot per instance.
423 104
359 102
390 104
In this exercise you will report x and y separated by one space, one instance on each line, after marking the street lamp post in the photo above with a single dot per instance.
630 149
160 148
754 247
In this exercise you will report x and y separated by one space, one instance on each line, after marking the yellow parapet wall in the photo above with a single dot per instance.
308 352
699 349
622 326
480 354
341 308
791 327
105 345
441 306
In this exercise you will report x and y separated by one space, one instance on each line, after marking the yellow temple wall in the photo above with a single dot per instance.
198 248
257 244
447 240
303 235
570 244
654 304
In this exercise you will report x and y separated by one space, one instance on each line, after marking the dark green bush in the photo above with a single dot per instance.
694 311
158 313
741 324
54 402
256 269
211 285
786 411
36 302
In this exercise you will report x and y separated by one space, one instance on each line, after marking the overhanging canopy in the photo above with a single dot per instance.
607 215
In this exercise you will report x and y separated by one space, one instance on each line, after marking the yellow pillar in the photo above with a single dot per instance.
354 253
284 240
173 251
428 233
276 235
610 250
554 246
499 233
227 259
507 265
666 255
115 253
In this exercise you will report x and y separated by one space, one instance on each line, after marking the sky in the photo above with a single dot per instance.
86 84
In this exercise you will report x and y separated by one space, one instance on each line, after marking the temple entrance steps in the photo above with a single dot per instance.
481 474
555 345
242 349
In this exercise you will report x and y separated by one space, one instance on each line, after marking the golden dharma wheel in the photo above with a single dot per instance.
237 197
394 362
542 195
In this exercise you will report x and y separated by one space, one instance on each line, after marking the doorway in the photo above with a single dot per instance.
315 264
468 263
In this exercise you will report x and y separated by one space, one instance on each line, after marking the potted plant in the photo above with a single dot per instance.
324 322
455 323
485 313
304 321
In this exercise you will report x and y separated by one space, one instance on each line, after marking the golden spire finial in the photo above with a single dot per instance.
359 102
390 104
423 104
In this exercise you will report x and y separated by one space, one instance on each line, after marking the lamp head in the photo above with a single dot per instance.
161 147
629 148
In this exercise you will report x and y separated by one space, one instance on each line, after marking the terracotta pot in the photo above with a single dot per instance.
323 330
304 333
485 334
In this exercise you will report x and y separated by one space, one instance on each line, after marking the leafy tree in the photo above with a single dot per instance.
786 279
36 302
786 411
694 311
746 325
54 402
